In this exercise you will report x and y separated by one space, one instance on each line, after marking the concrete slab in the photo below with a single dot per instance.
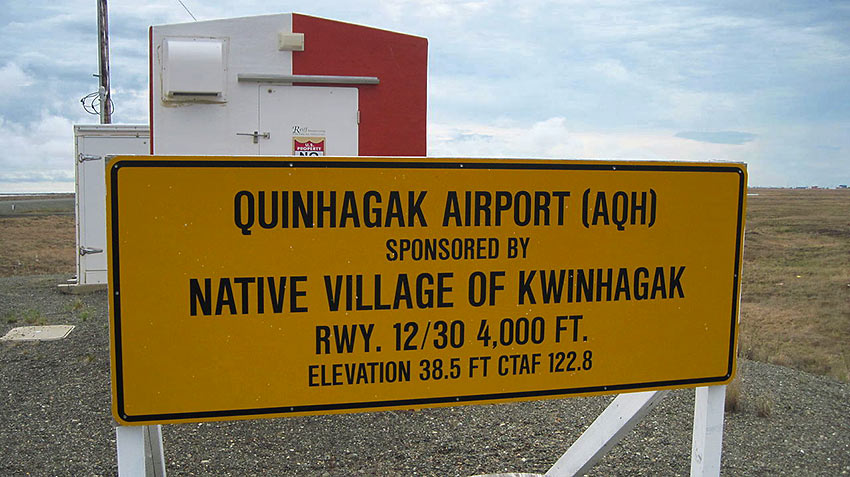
38 333
78 289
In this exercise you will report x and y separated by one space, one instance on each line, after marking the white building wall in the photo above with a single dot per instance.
197 127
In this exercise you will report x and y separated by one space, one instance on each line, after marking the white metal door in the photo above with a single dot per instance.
308 121
91 194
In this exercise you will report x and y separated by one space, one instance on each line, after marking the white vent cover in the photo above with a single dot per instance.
193 69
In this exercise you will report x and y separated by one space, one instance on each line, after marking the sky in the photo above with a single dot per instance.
764 83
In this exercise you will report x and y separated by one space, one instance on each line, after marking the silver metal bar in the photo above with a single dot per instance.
154 460
312 79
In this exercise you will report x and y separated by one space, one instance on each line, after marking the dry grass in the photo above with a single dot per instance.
796 293
764 406
37 245
733 395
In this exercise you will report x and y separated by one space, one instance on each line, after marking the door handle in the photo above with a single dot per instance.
87 250
88 157
256 135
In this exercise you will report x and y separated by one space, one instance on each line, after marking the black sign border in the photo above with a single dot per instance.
413 163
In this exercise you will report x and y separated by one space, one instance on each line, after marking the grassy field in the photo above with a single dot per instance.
37 245
796 293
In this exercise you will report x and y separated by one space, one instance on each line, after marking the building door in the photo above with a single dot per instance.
310 121
95 143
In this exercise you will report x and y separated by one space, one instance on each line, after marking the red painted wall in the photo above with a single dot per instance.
392 113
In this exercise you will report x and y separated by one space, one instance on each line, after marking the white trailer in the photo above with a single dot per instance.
92 143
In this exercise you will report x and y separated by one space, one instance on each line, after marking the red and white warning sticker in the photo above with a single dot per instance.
308 146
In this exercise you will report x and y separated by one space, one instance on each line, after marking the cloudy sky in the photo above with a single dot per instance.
766 83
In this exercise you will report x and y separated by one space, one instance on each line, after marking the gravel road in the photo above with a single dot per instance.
55 420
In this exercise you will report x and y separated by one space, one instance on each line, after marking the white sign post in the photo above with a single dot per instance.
140 452
627 410
613 424
708 430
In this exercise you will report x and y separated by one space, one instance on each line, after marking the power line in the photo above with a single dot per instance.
187 9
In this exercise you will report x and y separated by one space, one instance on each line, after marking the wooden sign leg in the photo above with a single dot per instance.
140 451
624 412
130 441
708 431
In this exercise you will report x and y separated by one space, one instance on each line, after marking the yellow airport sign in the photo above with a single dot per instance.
270 286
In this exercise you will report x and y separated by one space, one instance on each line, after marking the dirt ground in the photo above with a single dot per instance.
37 245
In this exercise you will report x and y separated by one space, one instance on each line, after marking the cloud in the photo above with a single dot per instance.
44 145
50 175
718 137
782 157
12 80
557 138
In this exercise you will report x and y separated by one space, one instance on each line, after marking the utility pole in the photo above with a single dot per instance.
103 62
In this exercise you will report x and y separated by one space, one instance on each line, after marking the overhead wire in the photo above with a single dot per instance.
187 9
91 103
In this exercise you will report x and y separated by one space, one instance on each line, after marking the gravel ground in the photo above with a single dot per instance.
55 420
